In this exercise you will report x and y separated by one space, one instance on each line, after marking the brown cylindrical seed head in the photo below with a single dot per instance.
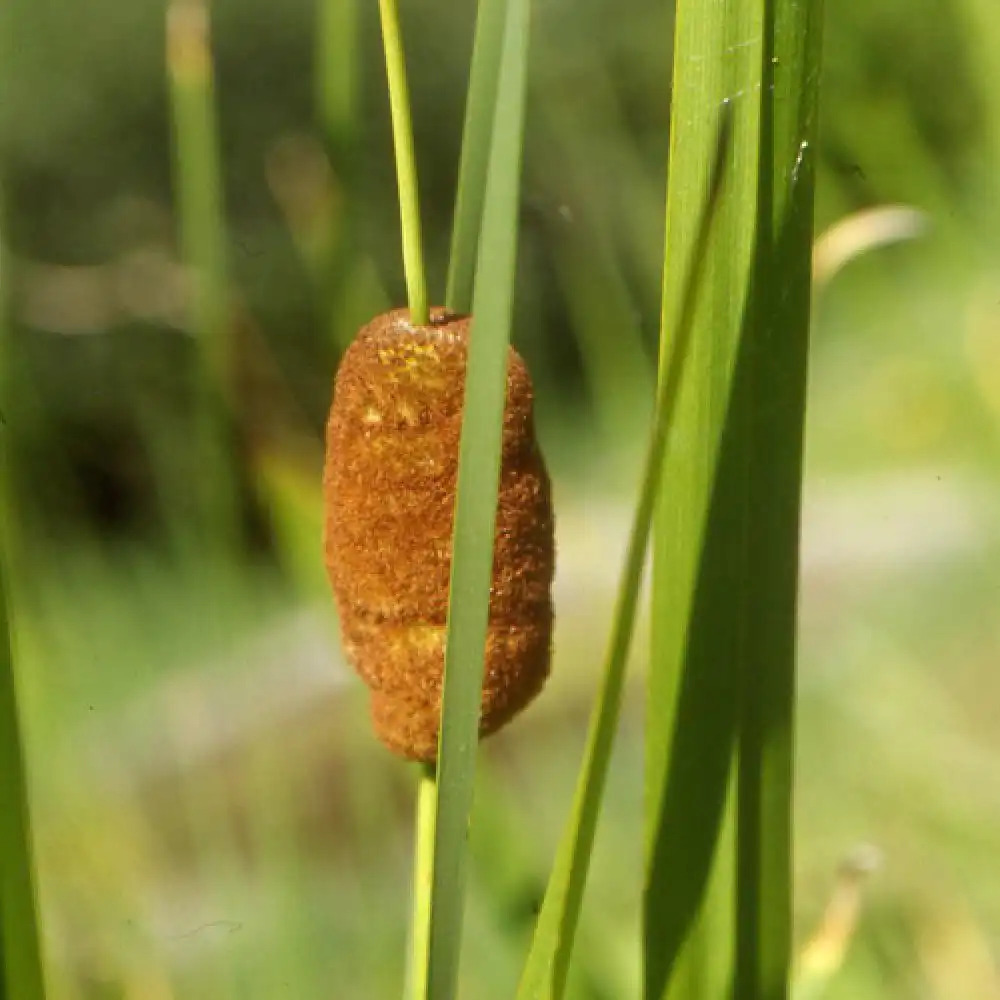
389 487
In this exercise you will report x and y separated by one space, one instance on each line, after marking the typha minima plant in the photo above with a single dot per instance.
438 532
735 293
390 481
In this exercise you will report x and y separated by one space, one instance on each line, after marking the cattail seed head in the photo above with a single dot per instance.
389 489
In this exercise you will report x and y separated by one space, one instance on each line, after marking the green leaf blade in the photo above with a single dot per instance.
782 281
717 897
22 972
475 515
693 704
198 184
477 136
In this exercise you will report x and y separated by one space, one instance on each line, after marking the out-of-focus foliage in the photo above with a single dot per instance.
213 818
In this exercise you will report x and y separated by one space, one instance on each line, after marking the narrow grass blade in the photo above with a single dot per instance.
981 21
476 138
699 542
337 76
725 556
544 976
21 970
20 948
346 279
406 162
780 322
203 247
475 514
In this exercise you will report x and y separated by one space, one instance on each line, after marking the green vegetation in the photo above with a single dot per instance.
202 237
480 450
189 244
548 962
719 730
21 969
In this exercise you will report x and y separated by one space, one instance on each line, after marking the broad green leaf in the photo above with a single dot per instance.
699 541
725 564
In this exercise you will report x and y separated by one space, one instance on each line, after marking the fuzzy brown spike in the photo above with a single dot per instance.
389 487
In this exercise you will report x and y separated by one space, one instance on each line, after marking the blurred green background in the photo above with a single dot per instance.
213 817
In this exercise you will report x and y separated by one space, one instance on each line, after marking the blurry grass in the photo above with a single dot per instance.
296 506
899 657
603 308
102 609
21 969
338 75
22 961
348 286
927 804
201 217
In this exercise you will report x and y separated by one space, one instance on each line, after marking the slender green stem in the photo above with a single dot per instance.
416 290
406 165
423 877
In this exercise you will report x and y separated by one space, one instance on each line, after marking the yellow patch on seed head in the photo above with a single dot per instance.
429 637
